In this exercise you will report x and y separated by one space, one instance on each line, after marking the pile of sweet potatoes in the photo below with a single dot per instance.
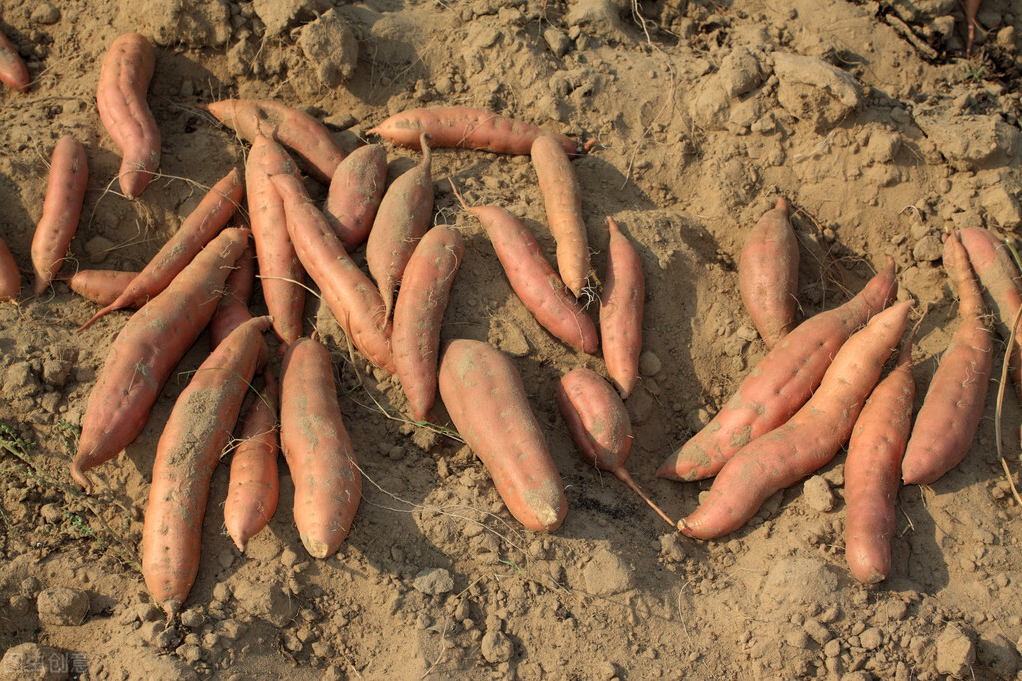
819 388
258 229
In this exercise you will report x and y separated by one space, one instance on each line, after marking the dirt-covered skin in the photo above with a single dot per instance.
866 117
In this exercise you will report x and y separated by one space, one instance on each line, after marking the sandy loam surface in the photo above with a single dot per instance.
867 116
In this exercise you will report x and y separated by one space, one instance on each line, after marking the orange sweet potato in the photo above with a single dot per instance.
404 215
318 450
296 130
356 189
873 471
947 421
254 487
467 128
768 274
121 98
193 440
486 401
621 310
419 312
69 175
562 196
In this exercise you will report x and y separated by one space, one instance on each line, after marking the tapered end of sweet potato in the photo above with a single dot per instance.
316 548
79 476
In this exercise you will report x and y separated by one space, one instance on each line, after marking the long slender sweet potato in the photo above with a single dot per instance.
971 10
873 471
296 130
281 274
768 274
146 350
12 69
65 191
404 215
419 311
562 196
780 384
356 189
201 225
254 487
486 401
347 291
600 426
466 128
195 437
10 275
318 450
121 98
621 310
537 284
947 421
998 275
808 440
99 286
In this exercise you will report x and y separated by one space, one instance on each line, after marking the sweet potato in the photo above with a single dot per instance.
600 426
201 225
534 280
10 275
65 191
971 10
562 197
466 128
121 98
99 286
280 272
195 437
420 310
296 130
12 69
873 471
318 450
780 384
232 308
356 189
486 401
254 487
768 274
808 440
999 276
621 310
949 416
146 350
347 291
404 215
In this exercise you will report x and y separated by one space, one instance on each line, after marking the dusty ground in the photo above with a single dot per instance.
702 118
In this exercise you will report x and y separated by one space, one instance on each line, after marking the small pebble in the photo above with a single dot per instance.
649 363
45 14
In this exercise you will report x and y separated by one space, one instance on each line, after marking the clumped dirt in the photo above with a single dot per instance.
865 115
